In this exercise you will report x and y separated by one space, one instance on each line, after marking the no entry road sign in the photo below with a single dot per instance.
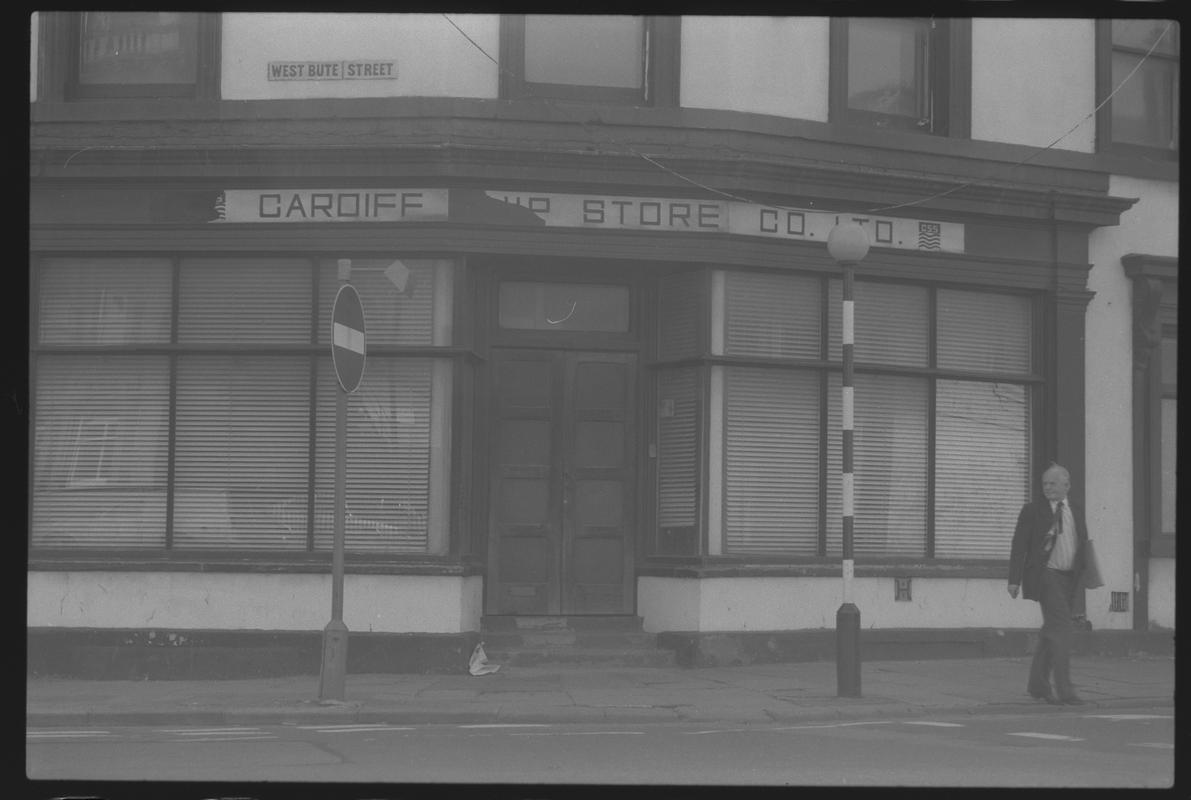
347 337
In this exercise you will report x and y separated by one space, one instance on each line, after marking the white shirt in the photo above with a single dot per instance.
1062 556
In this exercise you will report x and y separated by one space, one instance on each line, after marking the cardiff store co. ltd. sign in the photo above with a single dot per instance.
595 212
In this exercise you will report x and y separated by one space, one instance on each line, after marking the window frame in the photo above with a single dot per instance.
950 82
1104 140
660 68
59 40
709 358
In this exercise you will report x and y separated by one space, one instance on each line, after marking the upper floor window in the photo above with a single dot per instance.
1142 117
610 59
901 73
134 54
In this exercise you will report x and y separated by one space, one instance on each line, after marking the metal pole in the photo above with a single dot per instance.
847 618
333 678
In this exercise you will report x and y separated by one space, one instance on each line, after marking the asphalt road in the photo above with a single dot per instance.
1045 747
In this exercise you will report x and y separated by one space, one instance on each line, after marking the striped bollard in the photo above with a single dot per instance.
847 244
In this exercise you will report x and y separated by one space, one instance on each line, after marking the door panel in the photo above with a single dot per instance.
563 483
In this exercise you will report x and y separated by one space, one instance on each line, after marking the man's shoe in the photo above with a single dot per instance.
1048 696
1072 700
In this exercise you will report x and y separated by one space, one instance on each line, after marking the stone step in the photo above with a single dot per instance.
580 657
616 622
564 638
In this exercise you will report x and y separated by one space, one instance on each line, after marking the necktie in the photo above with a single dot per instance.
1057 530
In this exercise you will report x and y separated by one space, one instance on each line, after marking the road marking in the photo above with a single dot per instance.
60 734
231 738
1129 716
365 728
1159 745
935 724
721 730
585 733
833 725
508 725
201 731
1055 736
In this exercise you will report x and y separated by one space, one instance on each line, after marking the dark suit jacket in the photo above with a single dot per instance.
1026 559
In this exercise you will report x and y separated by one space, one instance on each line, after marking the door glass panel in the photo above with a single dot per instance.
528 305
524 500
599 386
599 502
524 442
599 444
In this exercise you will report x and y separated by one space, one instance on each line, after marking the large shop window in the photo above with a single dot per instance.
190 406
943 429
902 73
145 54
629 60
1142 118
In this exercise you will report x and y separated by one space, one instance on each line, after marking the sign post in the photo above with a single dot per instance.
347 354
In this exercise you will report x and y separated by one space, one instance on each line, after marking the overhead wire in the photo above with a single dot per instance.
625 147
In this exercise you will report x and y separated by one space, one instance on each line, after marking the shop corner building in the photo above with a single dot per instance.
603 329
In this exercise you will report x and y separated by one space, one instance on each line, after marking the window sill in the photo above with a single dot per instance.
727 567
271 563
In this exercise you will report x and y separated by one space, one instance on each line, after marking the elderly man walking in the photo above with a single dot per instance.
1045 562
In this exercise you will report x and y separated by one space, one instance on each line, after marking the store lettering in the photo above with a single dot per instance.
336 205
651 213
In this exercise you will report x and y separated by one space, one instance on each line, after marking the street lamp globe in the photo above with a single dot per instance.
848 242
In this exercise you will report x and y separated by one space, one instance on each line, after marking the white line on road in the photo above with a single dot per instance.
1159 745
721 730
586 733
353 728
934 724
231 738
508 725
1129 716
59 734
832 725
200 731
1055 736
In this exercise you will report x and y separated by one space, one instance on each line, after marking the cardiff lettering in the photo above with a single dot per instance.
337 205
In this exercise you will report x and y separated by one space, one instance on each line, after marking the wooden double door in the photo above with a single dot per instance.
563 481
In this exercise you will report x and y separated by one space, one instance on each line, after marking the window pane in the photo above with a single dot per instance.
138 47
890 441
773 315
564 307
981 331
680 307
238 301
1169 457
982 470
1141 34
85 301
99 451
1145 109
584 50
678 447
887 66
1170 360
406 302
891 323
389 464
242 451
771 461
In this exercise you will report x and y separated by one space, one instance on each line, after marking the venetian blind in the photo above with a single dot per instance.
394 315
244 301
891 324
104 302
678 447
241 451
680 305
982 331
890 466
982 467
773 315
100 448
771 461
388 457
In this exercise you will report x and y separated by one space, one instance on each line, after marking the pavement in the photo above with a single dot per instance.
579 694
